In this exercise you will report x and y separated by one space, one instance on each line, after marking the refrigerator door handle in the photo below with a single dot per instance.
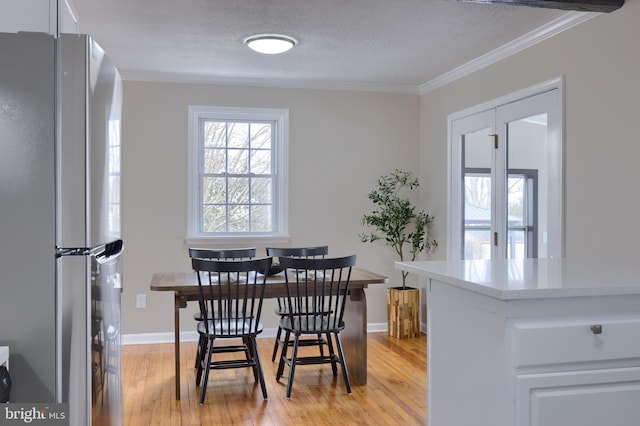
103 252
109 252
72 251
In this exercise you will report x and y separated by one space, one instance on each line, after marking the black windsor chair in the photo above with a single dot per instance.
233 292
281 310
317 291
219 254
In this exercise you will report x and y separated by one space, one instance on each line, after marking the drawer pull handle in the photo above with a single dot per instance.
596 329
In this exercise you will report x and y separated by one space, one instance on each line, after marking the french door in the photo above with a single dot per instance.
505 191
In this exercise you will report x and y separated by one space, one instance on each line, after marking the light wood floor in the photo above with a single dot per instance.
396 393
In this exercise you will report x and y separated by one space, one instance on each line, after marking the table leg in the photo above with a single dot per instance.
176 340
354 336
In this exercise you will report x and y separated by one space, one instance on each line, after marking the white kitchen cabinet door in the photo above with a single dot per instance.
608 397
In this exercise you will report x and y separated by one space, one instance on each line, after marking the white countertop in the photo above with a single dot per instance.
534 278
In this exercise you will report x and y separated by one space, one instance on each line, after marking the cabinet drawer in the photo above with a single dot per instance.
544 343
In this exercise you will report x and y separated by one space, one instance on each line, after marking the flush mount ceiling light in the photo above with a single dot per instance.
270 44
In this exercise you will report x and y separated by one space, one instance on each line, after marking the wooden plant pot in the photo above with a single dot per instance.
403 312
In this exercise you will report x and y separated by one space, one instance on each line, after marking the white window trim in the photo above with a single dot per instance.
281 157
556 195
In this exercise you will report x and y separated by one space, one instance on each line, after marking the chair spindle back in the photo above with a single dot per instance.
317 290
233 292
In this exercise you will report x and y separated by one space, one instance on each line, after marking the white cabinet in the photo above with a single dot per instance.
569 361
577 370
46 16
532 342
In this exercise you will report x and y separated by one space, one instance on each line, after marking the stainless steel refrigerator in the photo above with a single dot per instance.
60 240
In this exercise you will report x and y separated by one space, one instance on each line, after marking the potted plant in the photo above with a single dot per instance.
400 225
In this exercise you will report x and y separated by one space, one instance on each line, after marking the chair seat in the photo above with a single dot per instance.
285 311
318 324
231 328
197 316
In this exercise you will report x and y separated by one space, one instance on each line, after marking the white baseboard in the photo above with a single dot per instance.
377 327
192 336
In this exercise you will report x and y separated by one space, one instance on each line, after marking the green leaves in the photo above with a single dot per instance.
395 219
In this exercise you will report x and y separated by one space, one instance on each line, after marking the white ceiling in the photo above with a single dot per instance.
399 44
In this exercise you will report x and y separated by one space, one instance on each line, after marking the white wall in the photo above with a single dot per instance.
340 143
600 61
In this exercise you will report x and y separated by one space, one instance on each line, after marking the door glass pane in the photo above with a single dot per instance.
526 189
476 210
517 200
516 217
477 224
516 244
478 150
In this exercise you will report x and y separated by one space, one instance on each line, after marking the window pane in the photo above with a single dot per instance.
260 162
516 199
238 190
214 160
261 135
516 244
261 219
238 135
528 142
238 161
477 200
527 163
213 219
477 244
215 134
478 149
477 214
238 218
261 191
478 152
213 190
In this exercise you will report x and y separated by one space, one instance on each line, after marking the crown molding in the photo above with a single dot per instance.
542 33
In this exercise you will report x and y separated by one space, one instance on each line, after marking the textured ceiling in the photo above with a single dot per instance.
394 43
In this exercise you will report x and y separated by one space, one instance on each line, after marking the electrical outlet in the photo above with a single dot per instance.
141 300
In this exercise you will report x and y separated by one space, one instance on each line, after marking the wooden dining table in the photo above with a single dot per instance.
184 286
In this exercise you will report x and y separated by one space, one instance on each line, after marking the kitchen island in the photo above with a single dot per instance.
532 342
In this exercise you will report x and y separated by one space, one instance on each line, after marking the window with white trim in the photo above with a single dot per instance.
237 173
